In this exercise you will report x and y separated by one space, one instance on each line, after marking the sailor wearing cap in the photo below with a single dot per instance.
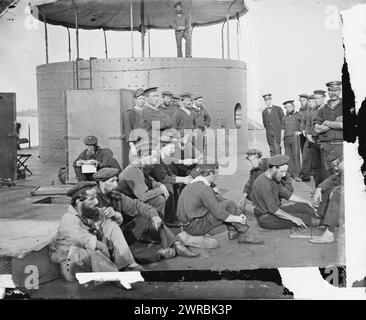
329 196
329 124
258 166
132 122
167 106
266 197
155 121
95 156
183 118
201 115
82 237
272 122
291 125
182 30
320 96
311 152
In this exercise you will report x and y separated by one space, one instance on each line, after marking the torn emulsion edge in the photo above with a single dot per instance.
125 278
354 39
6 281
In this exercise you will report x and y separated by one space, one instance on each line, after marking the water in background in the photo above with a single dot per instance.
32 122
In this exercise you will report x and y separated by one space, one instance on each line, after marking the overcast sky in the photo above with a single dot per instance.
290 46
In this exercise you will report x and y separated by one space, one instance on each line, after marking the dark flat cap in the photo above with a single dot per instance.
175 96
278 160
152 89
91 140
105 173
304 95
267 95
197 96
254 151
167 94
138 92
179 3
320 92
335 154
288 101
186 95
79 188
334 83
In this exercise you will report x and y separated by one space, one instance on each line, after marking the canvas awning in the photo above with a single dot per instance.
115 14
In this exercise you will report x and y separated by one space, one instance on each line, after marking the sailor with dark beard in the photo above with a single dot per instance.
87 239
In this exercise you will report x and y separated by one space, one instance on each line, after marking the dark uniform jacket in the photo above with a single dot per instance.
291 123
103 156
331 182
327 113
182 120
256 172
267 194
161 172
150 114
202 118
196 200
272 121
309 128
132 119
125 205
168 110
304 113
134 182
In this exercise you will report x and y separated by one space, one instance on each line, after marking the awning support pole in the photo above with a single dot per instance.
238 34
45 36
76 29
228 36
131 20
69 42
148 40
77 44
142 13
190 27
222 41
105 44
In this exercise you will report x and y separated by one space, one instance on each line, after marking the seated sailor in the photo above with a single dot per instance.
258 166
330 197
92 159
87 239
199 211
266 195
149 238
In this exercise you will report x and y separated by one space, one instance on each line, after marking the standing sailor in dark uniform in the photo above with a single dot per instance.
313 144
202 120
304 107
166 106
329 124
272 122
151 113
291 123
132 120
320 96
